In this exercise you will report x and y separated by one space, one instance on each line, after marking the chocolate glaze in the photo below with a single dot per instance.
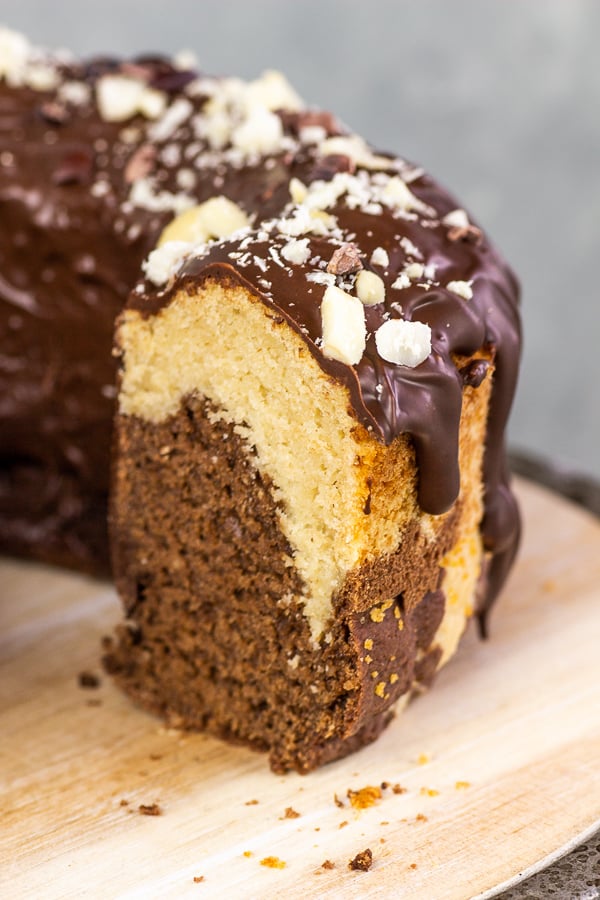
424 401
70 249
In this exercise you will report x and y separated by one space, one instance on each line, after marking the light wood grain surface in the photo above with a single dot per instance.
517 719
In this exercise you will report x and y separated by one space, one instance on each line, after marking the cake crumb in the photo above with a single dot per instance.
423 759
362 862
421 818
328 864
88 680
413 866
337 801
251 803
290 813
247 854
365 797
123 802
149 809
428 792
461 785
272 862
343 824
198 879
398 789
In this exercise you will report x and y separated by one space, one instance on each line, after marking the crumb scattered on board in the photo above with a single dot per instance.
290 813
362 862
198 879
365 797
273 862
149 809
88 680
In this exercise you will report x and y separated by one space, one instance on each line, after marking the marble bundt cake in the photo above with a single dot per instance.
310 494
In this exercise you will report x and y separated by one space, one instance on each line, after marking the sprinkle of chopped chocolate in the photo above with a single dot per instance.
345 260
362 862
328 864
88 680
468 233
140 163
150 809
273 862
74 168
365 797
290 813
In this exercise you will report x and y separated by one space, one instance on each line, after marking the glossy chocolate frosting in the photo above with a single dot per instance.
83 199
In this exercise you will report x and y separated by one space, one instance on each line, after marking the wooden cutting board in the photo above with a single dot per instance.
499 764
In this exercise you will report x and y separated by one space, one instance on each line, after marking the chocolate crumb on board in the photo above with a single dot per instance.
149 809
362 862
88 680
273 862
290 813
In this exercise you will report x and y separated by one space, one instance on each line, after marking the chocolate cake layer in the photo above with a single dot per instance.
239 661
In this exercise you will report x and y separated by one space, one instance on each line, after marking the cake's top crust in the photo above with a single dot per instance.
324 211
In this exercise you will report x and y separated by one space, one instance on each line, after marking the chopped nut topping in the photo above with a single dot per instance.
370 288
140 163
343 323
215 218
403 343
345 260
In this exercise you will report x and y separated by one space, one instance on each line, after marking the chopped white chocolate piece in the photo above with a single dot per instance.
120 97
215 218
343 326
397 194
163 262
14 53
462 288
403 343
457 218
402 281
41 77
296 251
273 91
414 270
298 190
261 132
370 288
379 257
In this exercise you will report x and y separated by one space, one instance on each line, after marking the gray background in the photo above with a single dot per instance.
500 100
